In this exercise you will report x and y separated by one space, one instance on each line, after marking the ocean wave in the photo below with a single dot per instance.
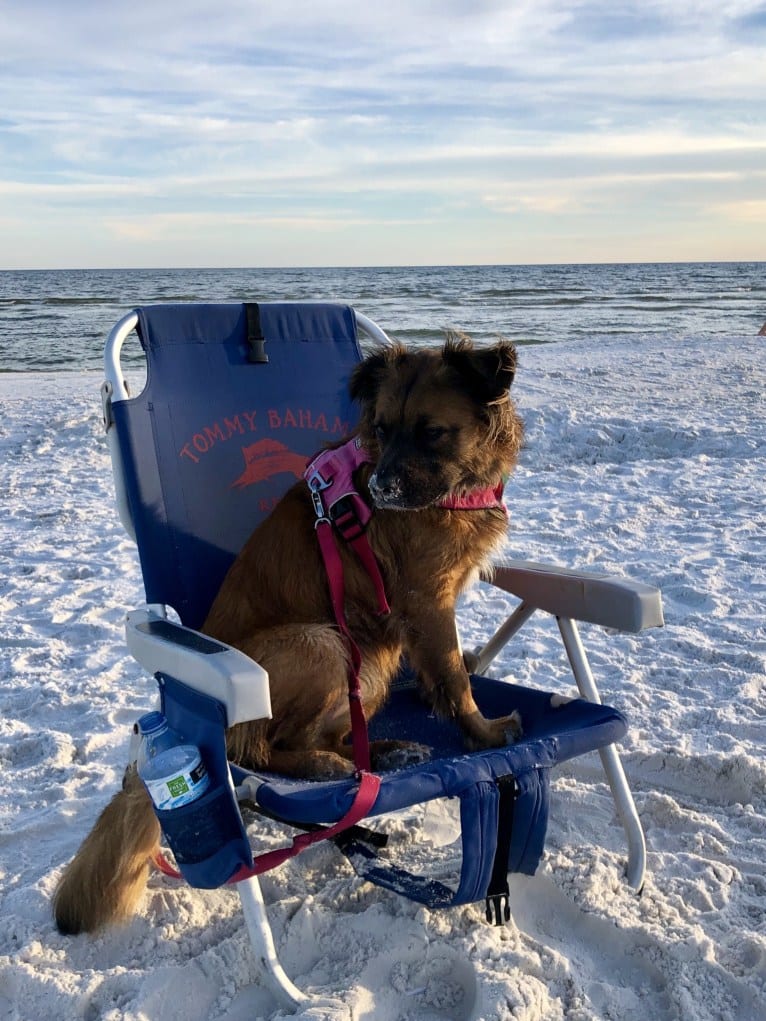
44 312
72 300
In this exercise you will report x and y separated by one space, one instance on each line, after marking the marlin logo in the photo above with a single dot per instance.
266 458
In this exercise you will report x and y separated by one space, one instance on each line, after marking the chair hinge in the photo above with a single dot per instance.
106 404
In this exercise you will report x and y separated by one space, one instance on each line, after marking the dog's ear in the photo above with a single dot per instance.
487 372
367 376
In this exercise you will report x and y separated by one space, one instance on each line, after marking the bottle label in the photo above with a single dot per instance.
179 787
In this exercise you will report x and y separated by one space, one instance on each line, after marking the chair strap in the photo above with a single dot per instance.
255 340
497 897
502 829
481 820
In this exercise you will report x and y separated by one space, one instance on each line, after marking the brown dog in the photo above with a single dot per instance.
437 424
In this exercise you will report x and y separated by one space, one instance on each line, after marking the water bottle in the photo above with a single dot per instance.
171 768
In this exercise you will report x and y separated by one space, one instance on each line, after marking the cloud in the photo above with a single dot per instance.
548 201
745 210
165 226
429 107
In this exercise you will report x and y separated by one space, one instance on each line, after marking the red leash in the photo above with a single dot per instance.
359 739
364 799
338 505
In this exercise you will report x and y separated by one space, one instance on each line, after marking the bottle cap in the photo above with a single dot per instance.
151 723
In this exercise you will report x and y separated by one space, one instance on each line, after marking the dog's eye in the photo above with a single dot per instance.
433 432
381 432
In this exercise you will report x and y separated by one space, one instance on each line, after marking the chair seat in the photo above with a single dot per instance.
503 792
553 733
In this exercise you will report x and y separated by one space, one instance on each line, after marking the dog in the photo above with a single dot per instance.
437 425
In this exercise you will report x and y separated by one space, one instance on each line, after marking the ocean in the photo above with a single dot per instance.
59 319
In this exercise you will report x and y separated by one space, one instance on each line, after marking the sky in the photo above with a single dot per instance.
344 132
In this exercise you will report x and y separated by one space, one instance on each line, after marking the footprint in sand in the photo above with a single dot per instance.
622 972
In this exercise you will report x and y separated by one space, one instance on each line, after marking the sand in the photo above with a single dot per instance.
646 458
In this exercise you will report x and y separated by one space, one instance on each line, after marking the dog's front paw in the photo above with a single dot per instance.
480 732
506 729
514 731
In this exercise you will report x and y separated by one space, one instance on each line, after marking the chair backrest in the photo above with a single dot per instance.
219 432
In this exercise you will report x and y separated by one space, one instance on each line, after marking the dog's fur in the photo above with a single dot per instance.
436 423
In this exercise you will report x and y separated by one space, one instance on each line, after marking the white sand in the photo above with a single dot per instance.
646 458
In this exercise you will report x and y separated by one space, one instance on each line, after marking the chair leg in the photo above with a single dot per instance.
615 774
502 636
262 940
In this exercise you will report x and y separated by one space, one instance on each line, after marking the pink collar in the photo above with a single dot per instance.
336 467
477 499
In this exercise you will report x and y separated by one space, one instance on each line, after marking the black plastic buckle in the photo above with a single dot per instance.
499 907
346 839
345 518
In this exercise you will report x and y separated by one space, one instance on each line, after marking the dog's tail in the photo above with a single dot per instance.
104 881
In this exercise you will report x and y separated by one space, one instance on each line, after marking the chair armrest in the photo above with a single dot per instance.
210 667
612 602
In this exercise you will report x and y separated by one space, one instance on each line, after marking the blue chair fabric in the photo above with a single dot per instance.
214 439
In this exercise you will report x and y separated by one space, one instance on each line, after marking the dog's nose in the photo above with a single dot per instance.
384 489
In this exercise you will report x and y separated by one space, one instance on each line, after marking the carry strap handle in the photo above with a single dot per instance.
502 828
478 828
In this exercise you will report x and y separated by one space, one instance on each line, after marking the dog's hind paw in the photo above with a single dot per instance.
398 755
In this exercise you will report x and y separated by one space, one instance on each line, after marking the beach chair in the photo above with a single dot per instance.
238 397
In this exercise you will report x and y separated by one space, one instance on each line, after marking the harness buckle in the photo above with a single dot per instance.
317 484
316 499
344 514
